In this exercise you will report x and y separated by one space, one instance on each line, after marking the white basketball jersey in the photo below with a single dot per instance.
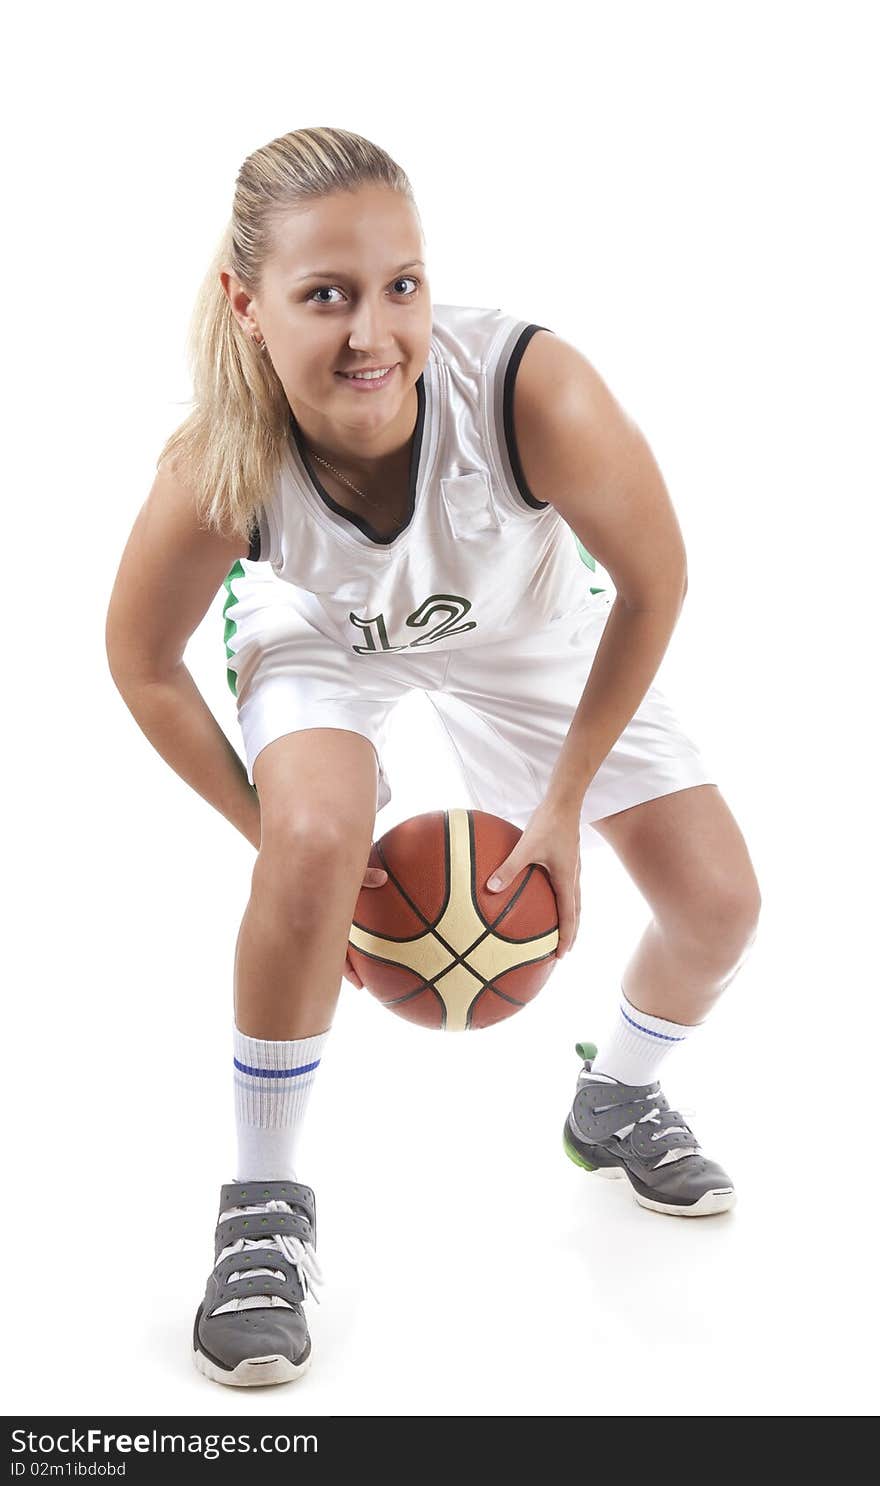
477 558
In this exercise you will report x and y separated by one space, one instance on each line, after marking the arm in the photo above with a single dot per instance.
581 452
170 571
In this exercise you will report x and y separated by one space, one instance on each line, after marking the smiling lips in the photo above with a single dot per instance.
368 379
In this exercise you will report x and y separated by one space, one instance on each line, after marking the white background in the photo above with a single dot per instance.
686 192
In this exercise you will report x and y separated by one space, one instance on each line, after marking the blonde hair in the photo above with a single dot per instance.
229 447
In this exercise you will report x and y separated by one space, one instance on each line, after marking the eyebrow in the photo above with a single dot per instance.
338 273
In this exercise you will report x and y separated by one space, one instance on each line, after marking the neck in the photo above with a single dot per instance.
365 451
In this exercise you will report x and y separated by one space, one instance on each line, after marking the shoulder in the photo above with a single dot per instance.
559 390
566 418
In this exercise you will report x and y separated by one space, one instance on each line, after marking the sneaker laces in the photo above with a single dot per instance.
657 1116
300 1252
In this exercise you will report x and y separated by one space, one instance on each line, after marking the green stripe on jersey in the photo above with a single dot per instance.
230 627
587 557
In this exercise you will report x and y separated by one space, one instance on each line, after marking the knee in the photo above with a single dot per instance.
311 850
723 914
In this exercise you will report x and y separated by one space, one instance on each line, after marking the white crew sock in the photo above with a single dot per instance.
273 1081
637 1045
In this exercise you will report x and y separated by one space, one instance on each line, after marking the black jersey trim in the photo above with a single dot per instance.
516 356
414 461
254 548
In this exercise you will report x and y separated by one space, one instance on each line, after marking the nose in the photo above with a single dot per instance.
368 331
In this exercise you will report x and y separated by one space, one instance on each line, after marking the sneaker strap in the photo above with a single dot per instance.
659 1132
285 1278
249 1194
264 1226
602 1109
258 1223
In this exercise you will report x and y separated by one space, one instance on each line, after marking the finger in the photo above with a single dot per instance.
576 906
351 974
375 877
504 875
565 903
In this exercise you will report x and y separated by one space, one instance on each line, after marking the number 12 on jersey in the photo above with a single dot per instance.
452 605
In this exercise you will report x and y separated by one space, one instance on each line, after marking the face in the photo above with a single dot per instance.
345 289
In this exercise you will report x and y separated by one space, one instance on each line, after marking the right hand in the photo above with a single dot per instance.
373 877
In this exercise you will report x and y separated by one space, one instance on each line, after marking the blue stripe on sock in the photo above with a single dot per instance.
647 1030
276 1072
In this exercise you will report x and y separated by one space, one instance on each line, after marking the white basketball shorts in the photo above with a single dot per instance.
506 706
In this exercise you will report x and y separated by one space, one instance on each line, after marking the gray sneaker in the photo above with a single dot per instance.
250 1328
619 1129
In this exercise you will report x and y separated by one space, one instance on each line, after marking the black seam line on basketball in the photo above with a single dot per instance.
457 959
425 922
491 926
426 985
447 879
496 991
430 984
420 991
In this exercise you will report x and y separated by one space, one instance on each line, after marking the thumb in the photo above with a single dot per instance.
375 877
504 874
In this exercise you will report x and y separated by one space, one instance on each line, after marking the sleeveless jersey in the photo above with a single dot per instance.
478 557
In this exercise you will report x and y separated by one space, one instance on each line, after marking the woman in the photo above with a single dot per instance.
399 494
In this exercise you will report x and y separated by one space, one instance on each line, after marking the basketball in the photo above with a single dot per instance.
433 944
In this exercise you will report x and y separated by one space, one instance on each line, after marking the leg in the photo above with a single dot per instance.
686 854
317 790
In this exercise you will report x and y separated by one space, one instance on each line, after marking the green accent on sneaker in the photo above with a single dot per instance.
574 1155
586 1050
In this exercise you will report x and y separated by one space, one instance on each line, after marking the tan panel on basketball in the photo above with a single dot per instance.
462 926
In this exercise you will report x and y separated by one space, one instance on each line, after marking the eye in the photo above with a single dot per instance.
324 289
331 289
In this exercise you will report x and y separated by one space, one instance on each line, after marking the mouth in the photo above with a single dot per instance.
368 378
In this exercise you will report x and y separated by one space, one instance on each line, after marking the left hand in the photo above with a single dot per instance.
552 838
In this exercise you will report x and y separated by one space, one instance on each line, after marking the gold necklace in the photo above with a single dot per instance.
342 477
